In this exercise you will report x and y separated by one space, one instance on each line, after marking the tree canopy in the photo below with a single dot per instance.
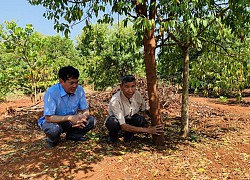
110 53
29 60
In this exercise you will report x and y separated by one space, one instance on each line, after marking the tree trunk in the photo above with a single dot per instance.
184 109
149 52
149 43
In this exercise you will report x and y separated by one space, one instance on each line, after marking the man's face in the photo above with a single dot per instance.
128 89
69 85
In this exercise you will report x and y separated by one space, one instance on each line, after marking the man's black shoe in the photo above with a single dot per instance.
112 140
50 145
80 139
128 137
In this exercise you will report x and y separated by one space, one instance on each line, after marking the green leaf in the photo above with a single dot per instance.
205 22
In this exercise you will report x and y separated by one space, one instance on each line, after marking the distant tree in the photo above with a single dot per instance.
30 60
219 68
190 24
223 68
60 51
110 53
25 46
6 73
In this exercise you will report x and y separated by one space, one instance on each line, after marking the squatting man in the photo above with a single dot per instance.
66 109
124 109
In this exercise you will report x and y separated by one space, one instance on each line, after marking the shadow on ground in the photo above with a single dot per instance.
23 152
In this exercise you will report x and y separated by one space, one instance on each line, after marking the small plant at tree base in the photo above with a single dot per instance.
239 97
194 138
223 99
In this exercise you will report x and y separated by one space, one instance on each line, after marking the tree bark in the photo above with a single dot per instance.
149 44
185 107
149 52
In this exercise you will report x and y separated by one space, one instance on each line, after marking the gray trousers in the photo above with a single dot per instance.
54 130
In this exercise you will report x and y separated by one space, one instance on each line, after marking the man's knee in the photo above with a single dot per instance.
112 123
51 129
91 122
139 120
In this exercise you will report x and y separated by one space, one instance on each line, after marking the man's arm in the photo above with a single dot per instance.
84 112
76 120
157 130
59 119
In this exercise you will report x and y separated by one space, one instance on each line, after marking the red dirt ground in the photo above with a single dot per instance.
218 146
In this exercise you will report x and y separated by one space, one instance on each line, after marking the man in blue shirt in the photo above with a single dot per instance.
66 109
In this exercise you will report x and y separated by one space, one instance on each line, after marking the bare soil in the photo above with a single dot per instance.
218 146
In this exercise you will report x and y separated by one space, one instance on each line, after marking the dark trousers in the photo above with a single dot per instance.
114 127
54 130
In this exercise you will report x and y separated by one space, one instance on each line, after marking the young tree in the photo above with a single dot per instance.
110 53
179 21
7 75
222 69
60 51
24 44
188 24
29 60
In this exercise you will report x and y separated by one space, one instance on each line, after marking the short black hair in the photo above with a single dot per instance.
68 72
127 78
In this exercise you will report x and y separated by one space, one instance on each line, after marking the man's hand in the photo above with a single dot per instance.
157 130
79 121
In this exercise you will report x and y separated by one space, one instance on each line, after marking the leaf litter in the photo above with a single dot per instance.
217 148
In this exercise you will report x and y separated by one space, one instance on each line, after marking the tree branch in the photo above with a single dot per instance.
75 2
131 15
171 35
223 47
211 22
168 44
